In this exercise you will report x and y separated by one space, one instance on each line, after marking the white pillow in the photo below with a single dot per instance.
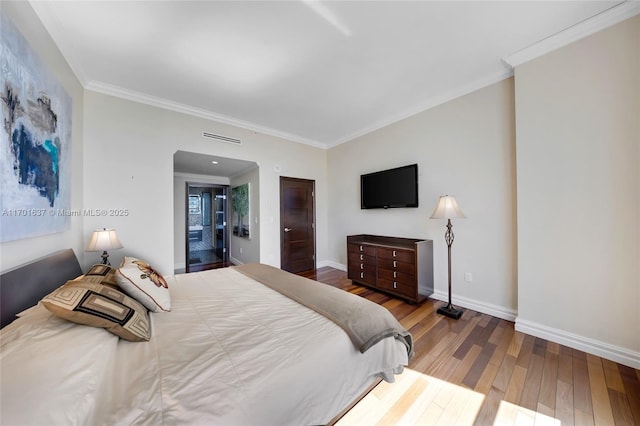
140 281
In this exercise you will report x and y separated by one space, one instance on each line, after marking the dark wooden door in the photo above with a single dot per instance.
297 227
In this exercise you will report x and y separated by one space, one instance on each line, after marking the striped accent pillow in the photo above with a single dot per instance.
97 305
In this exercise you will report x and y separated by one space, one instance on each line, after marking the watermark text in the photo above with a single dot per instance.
64 212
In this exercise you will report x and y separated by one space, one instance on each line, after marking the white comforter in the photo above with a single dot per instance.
231 351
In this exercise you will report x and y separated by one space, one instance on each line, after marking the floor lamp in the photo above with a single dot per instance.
447 208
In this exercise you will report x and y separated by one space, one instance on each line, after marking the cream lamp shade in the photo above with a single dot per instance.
103 240
447 208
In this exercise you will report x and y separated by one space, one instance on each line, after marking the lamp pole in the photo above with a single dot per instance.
448 237
449 310
446 209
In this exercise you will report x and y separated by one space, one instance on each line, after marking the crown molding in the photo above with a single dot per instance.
609 17
42 10
143 98
599 22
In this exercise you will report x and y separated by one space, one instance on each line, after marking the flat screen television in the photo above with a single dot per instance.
390 188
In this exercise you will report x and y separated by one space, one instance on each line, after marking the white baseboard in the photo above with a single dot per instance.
334 265
585 344
235 261
477 305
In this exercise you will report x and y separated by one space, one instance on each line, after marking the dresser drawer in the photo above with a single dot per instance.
362 273
396 265
362 266
396 254
362 249
404 289
391 275
361 258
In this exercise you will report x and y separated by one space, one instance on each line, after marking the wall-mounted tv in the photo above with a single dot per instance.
390 188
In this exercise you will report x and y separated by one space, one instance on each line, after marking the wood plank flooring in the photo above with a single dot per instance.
479 370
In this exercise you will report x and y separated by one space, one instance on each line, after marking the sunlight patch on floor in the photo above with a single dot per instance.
415 399
419 399
511 414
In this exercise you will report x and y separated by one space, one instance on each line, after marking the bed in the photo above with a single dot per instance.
237 347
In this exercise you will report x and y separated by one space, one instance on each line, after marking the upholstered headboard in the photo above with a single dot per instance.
24 286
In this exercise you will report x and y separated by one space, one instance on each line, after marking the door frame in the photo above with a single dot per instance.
313 207
227 241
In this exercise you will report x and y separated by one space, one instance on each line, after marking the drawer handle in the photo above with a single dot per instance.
395 263
361 257
395 274
361 274
360 248
394 253
395 284
361 266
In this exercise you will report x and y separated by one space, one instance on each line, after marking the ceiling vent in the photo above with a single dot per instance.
209 135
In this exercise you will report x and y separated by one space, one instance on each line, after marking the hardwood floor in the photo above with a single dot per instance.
520 379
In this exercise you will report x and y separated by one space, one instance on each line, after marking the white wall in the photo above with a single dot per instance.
464 148
128 163
245 250
15 253
578 161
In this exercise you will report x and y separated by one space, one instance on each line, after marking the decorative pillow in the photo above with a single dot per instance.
101 274
97 305
140 281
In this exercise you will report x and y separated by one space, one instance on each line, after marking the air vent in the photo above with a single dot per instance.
221 138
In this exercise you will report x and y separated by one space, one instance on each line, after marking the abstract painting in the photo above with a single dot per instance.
35 142
240 207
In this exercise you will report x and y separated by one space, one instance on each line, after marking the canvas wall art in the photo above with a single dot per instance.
35 142
241 212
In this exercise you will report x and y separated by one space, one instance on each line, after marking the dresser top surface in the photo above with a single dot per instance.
384 241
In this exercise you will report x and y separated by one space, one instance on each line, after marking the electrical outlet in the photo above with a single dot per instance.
468 277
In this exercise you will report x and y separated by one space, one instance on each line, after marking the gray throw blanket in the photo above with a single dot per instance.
365 322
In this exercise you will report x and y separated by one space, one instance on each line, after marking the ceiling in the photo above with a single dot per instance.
320 73
211 165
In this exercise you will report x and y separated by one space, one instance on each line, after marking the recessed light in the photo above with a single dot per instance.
214 162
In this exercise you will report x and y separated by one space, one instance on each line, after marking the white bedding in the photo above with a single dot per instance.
231 351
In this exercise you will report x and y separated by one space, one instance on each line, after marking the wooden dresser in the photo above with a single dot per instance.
402 267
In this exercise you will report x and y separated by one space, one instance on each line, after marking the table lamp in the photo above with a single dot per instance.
102 240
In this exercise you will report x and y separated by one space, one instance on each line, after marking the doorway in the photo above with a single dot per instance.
207 238
297 225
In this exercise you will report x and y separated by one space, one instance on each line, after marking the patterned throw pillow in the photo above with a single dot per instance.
140 281
101 274
102 306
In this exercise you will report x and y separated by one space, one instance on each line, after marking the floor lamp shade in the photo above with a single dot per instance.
448 208
103 240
